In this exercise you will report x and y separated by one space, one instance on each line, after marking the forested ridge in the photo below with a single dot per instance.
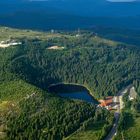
29 111
104 68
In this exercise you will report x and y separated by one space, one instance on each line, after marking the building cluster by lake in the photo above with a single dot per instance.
115 102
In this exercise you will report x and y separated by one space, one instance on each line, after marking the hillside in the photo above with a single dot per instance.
102 65
109 9
64 14
28 110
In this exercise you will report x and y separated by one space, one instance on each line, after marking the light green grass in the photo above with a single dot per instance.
93 132
8 33
133 132
99 40
16 90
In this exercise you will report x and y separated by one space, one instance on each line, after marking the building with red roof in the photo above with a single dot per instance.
107 102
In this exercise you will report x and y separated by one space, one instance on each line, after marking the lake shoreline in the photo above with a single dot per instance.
81 88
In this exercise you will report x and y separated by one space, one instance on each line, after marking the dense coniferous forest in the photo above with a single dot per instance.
102 67
29 111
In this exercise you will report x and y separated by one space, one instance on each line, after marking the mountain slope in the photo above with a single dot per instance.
59 14
27 112
95 8
103 58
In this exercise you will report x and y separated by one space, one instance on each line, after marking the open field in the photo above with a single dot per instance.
11 33
7 33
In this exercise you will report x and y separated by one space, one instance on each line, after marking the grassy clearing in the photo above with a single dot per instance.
92 132
3 105
7 33
133 132
4 108
98 40
15 91
2 135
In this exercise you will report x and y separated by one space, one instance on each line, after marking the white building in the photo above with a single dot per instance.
132 94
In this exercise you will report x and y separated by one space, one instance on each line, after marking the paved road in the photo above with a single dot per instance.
114 128
113 131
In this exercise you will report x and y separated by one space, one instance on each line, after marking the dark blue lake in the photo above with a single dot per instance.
73 92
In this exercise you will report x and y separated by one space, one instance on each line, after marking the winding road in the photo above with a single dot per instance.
113 131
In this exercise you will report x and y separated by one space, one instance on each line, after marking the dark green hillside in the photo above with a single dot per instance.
30 113
101 65
14 90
